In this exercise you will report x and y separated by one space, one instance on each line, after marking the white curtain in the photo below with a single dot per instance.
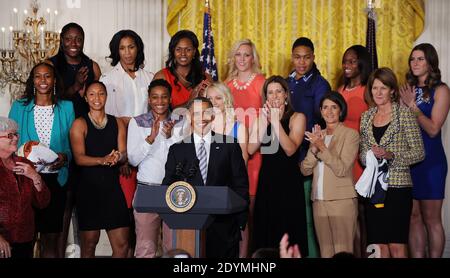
437 32
100 19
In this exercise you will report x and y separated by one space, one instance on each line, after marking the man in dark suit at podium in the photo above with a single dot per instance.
217 160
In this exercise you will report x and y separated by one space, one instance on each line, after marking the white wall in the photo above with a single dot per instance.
437 32
100 19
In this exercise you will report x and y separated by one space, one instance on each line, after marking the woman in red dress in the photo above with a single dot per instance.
245 81
183 69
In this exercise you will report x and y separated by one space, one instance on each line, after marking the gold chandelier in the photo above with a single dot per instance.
25 46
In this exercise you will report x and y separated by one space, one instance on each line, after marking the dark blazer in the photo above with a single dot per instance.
226 167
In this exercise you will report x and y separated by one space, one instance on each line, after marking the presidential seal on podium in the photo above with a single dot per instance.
180 196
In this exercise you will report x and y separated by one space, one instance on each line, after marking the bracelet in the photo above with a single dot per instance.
417 113
315 155
148 141
415 110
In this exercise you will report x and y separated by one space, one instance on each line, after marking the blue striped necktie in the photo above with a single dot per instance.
203 164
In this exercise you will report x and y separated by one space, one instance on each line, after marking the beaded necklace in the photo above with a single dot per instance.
245 86
101 125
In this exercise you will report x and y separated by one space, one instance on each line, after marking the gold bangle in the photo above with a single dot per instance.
416 112
148 141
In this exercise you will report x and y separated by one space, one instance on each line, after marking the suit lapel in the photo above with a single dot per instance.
393 127
369 129
213 154
336 134
193 153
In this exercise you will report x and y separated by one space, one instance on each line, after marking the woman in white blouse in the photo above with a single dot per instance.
127 85
128 81
330 159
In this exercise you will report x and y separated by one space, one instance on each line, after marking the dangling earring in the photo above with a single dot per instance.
54 89
34 90
285 102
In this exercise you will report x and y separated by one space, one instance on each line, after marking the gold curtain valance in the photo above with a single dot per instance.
333 26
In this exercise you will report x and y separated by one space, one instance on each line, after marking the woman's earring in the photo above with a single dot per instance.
285 102
34 90
54 89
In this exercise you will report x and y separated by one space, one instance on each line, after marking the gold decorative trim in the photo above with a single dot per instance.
180 196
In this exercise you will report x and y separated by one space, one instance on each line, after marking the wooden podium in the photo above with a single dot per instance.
189 226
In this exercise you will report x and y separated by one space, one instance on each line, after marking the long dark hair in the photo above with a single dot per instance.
434 73
61 62
364 63
280 80
196 74
114 48
29 88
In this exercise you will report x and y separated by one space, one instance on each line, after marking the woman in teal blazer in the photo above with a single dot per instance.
42 117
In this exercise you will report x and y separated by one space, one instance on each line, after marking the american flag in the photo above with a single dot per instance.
207 56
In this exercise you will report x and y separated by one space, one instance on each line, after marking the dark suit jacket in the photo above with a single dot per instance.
226 167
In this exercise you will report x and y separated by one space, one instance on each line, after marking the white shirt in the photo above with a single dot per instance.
319 192
150 159
127 97
43 122
207 138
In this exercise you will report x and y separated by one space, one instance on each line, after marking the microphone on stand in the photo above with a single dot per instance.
194 168
179 170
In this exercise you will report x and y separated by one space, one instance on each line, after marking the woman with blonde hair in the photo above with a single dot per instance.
225 119
245 81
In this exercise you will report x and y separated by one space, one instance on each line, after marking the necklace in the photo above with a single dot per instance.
347 89
98 125
245 86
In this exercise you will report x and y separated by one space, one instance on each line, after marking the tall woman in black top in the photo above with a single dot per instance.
77 71
99 145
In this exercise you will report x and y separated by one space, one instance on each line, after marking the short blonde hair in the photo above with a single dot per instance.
232 70
225 92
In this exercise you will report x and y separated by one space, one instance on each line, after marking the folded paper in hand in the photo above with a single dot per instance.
37 153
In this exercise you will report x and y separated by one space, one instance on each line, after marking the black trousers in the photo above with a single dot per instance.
22 250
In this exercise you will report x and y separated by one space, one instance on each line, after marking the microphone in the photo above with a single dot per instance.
194 167
179 169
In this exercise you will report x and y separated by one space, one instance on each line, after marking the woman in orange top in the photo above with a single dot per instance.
245 81
356 66
183 69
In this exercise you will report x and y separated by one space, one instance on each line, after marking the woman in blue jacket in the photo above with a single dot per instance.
42 117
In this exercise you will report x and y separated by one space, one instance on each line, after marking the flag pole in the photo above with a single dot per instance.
371 34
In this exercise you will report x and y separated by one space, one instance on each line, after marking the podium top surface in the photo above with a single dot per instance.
210 200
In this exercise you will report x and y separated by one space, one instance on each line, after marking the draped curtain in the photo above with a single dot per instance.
333 26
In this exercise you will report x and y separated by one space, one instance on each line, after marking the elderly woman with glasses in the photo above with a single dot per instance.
21 189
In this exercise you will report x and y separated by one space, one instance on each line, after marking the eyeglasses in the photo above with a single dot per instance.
11 135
